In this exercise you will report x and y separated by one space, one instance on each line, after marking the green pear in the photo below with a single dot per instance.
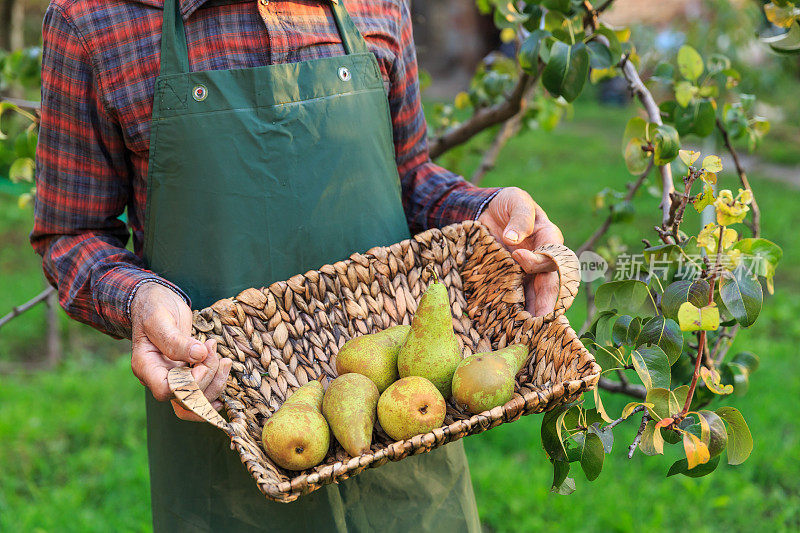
515 354
431 349
374 356
309 394
411 406
296 437
483 381
349 406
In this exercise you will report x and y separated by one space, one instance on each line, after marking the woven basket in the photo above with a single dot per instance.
284 335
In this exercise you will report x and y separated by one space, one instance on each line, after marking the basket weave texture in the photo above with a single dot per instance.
282 336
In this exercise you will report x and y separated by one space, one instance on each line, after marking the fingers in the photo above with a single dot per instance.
541 293
533 263
162 330
151 368
217 384
521 217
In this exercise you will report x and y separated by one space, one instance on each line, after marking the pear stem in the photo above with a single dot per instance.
433 272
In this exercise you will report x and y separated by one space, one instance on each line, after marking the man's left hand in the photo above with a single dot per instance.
522 226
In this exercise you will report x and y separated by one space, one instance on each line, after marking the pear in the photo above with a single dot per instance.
309 394
483 381
349 406
409 407
374 356
296 437
515 354
431 349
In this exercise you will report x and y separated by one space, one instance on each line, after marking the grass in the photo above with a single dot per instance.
73 455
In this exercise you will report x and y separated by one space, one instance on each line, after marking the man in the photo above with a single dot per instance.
248 141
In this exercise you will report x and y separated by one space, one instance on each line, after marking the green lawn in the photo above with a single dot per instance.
73 455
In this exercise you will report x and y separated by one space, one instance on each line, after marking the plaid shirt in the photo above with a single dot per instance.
99 66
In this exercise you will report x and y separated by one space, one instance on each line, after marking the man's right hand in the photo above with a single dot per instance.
161 325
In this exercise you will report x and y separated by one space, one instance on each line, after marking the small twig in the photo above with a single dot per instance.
614 424
638 88
638 438
633 390
633 188
720 349
755 227
18 310
485 118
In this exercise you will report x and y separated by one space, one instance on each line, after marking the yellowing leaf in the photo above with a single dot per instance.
462 100
598 404
688 156
690 64
712 163
781 16
684 92
691 318
705 199
709 177
507 35
628 409
696 450
712 380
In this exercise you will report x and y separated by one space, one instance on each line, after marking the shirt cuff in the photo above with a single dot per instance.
114 293
466 203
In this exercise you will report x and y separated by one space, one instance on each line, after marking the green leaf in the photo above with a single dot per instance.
592 456
740 441
598 405
716 436
684 92
705 199
630 297
666 144
626 330
682 467
653 367
528 55
636 159
551 439
762 257
692 318
682 291
599 55
698 118
566 70
566 488
712 163
742 295
604 327
748 360
665 402
664 333
652 443
690 64
606 435
560 471
784 43
507 16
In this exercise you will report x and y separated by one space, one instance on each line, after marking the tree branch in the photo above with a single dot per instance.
635 391
485 118
18 310
616 422
654 115
638 438
756 225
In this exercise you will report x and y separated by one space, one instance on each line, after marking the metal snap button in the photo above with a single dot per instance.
199 92
344 74
264 2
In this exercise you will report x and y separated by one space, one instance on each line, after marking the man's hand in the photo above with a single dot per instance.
161 325
521 225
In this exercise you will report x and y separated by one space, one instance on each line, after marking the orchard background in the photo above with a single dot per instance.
535 95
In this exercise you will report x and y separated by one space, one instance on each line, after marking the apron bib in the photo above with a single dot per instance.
256 175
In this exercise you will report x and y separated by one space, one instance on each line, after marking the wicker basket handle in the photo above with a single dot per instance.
187 393
569 273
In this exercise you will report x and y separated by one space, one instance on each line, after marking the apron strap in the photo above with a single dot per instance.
175 54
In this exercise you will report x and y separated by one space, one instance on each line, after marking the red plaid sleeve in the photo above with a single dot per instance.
432 196
83 187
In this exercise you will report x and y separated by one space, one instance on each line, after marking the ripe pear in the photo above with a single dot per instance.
374 356
309 394
349 406
483 381
409 407
296 437
431 349
515 354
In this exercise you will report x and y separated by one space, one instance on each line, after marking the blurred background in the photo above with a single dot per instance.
72 432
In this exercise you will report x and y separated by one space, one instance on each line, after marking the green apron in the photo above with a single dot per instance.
256 175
